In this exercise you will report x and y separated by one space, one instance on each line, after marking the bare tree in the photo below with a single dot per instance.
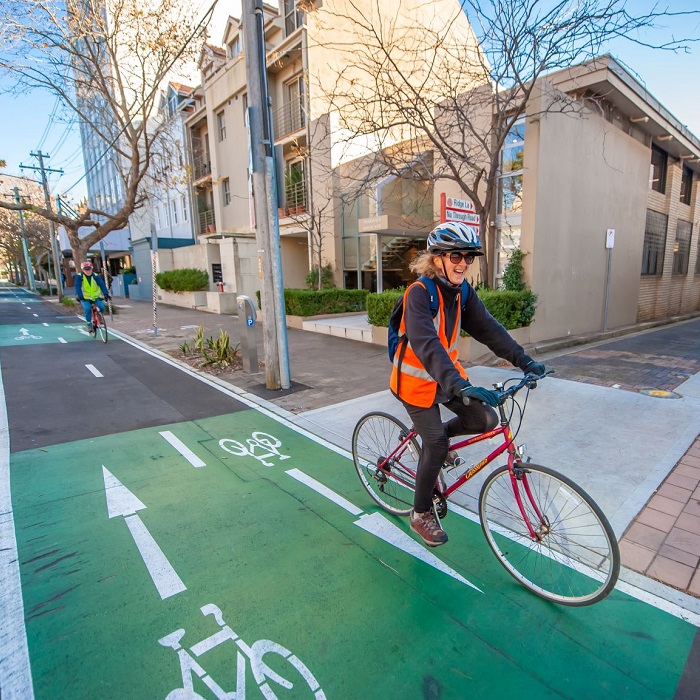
458 100
105 61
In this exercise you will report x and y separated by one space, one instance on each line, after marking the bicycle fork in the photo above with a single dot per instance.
520 483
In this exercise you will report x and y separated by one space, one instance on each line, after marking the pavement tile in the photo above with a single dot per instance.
694 587
687 470
692 507
657 519
691 461
636 557
683 540
685 482
666 505
675 493
671 572
647 536
679 555
689 523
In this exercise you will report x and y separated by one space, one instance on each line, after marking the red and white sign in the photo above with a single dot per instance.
453 209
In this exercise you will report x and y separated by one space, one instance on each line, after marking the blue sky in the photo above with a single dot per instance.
25 124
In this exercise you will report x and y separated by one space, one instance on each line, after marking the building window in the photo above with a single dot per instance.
657 171
157 213
173 204
510 178
686 185
681 247
226 191
221 125
245 109
234 48
654 243
183 201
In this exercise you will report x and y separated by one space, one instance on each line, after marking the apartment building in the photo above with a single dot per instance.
303 42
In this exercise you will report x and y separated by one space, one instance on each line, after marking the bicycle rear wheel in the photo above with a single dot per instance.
101 325
387 473
574 559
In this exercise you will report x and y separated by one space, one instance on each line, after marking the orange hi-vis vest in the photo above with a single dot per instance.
410 381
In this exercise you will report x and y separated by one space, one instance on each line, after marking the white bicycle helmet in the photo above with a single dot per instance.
454 235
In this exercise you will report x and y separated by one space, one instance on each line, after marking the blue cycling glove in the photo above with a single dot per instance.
478 393
532 367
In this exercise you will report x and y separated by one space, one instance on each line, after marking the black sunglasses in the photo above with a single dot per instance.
456 257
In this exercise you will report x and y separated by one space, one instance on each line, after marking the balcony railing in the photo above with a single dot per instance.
201 165
295 198
207 222
289 118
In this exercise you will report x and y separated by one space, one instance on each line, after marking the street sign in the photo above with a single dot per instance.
464 216
454 209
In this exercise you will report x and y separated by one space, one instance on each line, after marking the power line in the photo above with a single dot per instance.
49 124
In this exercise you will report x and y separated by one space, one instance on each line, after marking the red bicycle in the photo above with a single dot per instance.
98 322
545 530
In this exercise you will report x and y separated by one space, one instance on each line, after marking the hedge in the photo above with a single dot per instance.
186 279
511 309
307 302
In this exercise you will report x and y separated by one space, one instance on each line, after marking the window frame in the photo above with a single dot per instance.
221 125
658 184
226 191
681 248
651 250
686 185
509 144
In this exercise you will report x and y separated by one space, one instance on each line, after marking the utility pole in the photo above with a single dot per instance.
47 203
265 199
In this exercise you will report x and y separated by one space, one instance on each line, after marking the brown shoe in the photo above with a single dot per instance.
427 527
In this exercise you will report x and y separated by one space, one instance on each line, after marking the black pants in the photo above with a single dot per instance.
472 419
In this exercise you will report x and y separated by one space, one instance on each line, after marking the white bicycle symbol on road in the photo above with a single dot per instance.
262 673
258 441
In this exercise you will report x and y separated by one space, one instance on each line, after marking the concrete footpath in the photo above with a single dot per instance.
620 417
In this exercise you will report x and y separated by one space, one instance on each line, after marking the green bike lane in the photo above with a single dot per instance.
246 525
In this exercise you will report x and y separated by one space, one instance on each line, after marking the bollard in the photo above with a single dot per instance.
246 310
220 285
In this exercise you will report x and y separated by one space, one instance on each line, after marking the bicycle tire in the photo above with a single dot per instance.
101 325
375 437
577 561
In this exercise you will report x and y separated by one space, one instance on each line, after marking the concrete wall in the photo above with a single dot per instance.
582 177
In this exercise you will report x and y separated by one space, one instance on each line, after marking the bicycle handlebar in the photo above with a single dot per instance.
528 380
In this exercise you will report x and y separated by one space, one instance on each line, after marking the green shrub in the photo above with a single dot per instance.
186 279
513 272
380 306
327 281
511 309
306 302
43 292
68 301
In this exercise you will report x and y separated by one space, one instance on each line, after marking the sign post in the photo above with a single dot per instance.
609 244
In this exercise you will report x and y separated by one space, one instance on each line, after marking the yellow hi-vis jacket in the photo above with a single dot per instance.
91 290
409 379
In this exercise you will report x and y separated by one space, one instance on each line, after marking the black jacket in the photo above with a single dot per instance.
476 321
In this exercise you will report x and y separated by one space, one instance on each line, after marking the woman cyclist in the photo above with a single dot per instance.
427 372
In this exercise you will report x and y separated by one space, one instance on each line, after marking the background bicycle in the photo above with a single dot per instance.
544 529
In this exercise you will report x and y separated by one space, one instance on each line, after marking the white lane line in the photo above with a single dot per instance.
324 491
15 670
94 370
62 340
377 525
185 451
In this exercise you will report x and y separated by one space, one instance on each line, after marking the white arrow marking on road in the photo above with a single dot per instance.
122 503
94 370
24 331
377 525
185 451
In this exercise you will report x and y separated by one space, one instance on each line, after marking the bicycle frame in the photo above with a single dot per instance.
506 446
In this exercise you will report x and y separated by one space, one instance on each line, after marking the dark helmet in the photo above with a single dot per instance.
454 235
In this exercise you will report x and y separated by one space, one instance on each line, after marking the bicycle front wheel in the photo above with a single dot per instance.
387 469
102 326
573 557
